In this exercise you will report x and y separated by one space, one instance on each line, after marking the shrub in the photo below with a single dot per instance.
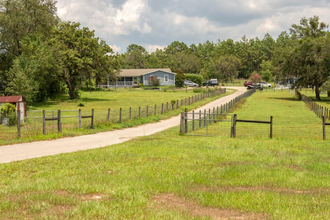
179 78
81 105
153 81
173 102
197 90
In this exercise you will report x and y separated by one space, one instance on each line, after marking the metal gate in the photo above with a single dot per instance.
206 123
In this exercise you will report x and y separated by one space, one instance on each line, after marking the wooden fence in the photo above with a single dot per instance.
113 116
320 111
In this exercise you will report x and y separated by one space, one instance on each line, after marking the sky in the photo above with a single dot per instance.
157 23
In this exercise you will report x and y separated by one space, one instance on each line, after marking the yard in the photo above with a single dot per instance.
170 176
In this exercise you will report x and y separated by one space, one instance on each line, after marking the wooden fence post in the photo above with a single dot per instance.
186 121
182 120
147 111
19 123
177 104
162 110
139 111
108 114
120 115
130 112
200 118
234 125
59 124
204 117
193 120
92 119
323 127
43 122
166 106
271 127
155 112
79 118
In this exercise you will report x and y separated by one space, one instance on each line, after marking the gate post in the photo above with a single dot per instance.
234 126
182 120
271 126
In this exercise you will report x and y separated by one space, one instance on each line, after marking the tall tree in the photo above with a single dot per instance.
306 60
225 68
19 18
136 56
80 54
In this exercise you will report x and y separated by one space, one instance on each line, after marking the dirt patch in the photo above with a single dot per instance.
92 197
63 193
294 167
234 163
59 210
173 202
261 188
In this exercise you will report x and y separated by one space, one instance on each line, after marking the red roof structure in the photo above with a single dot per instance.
11 99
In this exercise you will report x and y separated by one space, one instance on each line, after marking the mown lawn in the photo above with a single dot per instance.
170 176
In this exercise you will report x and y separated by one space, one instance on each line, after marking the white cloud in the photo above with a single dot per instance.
156 22
115 48
152 48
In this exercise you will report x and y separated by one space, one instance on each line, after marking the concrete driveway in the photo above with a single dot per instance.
25 151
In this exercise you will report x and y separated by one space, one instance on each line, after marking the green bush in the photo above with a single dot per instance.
195 78
197 90
179 78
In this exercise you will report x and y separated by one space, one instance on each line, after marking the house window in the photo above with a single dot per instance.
166 78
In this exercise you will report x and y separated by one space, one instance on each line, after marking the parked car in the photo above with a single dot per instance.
249 87
212 82
190 83
246 83
264 84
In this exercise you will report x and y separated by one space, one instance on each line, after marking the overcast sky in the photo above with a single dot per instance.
156 23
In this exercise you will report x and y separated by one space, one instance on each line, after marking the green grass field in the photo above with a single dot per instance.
170 176
100 101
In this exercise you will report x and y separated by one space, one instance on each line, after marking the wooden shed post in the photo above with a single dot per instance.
19 124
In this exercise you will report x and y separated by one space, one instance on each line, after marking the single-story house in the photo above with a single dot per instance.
135 76
16 100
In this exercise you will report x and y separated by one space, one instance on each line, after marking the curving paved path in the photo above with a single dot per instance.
25 151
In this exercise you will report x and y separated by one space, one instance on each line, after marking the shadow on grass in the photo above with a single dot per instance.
95 100
285 99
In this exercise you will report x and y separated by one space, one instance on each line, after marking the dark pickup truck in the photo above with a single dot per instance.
212 82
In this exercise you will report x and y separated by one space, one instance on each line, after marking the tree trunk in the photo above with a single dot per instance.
317 92
71 89
328 94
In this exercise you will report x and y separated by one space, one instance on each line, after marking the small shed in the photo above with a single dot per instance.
16 100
